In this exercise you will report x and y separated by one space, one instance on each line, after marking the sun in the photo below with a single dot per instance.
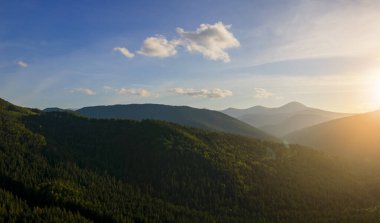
375 89
377 92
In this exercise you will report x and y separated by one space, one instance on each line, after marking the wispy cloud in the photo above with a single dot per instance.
134 91
85 91
209 93
139 92
262 93
211 41
124 51
333 29
22 64
158 46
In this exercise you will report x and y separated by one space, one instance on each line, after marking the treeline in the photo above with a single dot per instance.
58 167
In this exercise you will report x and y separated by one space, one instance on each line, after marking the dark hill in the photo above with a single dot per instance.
55 109
184 115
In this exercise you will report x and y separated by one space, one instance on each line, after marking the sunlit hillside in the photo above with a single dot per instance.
357 135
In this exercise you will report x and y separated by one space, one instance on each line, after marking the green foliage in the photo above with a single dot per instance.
58 167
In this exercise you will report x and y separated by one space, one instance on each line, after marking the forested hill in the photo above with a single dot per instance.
59 167
184 115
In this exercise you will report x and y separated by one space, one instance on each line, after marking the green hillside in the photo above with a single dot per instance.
184 115
59 167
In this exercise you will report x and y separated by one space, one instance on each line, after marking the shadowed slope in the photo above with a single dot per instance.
200 118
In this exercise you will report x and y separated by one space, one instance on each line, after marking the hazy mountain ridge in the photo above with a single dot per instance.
184 115
259 109
283 120
355 135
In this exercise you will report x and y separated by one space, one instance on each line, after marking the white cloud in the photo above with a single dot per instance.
140 92
209 40
108 88
124 51
22 64
158 46
212 93
262 93
86 91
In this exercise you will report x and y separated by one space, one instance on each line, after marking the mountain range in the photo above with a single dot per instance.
283 120
184 115
61 167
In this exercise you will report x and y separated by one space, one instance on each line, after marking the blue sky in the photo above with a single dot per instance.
212 54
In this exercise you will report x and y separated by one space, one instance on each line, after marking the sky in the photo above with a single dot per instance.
200 53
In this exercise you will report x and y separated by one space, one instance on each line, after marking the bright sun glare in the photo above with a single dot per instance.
376 90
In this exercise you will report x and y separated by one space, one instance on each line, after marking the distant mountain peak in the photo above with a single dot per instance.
259 107
294 106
